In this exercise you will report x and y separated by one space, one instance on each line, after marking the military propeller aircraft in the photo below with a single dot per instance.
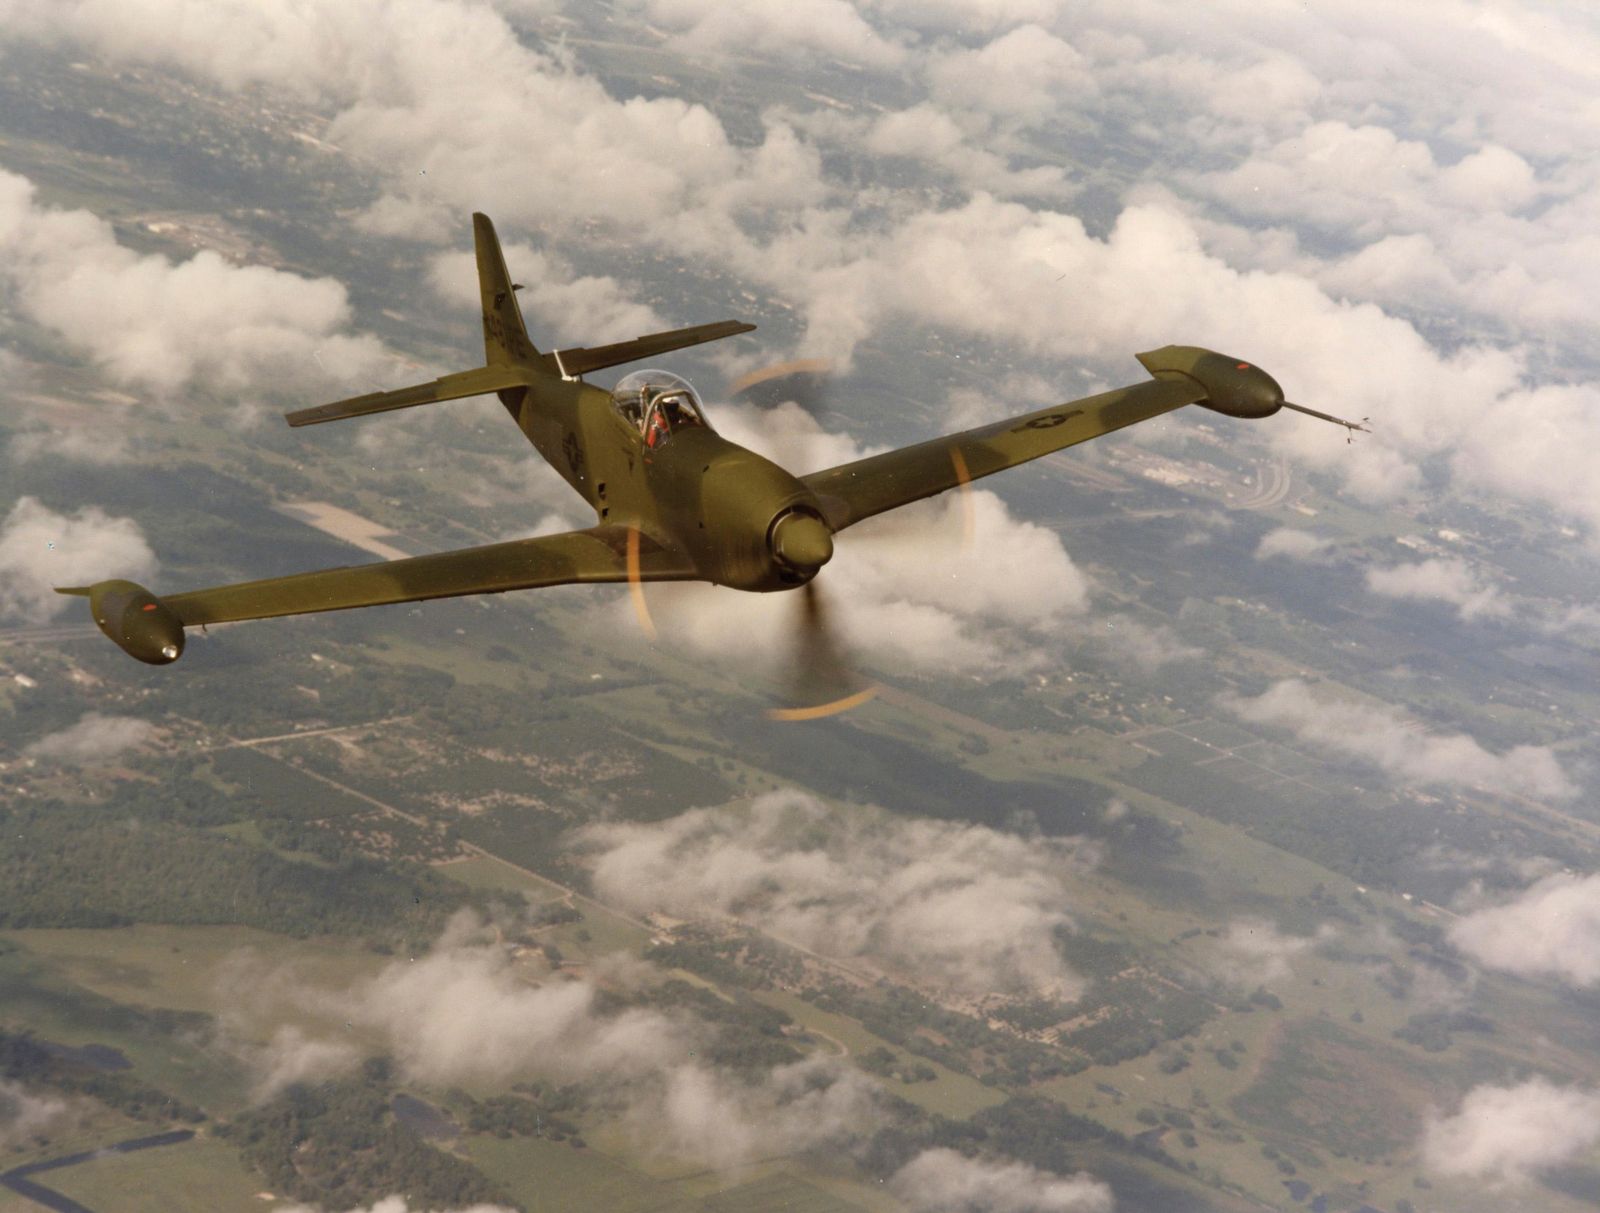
673 499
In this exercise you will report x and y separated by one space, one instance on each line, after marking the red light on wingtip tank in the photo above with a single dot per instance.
149 606
1243 366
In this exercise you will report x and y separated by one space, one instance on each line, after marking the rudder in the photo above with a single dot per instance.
505 338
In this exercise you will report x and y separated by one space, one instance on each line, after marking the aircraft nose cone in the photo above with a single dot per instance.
802 541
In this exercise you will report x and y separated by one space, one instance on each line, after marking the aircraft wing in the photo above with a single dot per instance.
596 555
853 491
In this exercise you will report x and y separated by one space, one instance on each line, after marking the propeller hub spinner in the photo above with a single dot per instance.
802 541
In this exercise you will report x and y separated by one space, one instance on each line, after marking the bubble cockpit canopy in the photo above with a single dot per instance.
657 404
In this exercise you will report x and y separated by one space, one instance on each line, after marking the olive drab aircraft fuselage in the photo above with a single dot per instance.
673 499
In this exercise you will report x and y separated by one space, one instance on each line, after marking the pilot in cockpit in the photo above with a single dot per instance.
656 428
657 404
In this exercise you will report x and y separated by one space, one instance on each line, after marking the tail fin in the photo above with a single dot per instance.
505 339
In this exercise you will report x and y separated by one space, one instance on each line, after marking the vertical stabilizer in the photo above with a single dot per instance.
505 340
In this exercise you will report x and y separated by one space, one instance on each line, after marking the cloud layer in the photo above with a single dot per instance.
1506 1135
466 1014
1254 952
1552 929
395 1204
1370 185
41 549
1385 738
23 1115
957 906
1445 579
160 325
1290 543
94 739
943 1181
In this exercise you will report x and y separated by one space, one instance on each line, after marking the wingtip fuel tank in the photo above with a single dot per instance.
1232 386
140 624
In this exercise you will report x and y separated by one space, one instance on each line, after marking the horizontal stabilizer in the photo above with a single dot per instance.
477 382
573 363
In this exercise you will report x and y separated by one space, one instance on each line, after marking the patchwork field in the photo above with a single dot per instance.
200 1174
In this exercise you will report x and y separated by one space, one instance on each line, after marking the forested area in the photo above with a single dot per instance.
886 1063
748 1036
741 958
75 865
1131 1015
897 1014
335 1143
529 1110
1042 1133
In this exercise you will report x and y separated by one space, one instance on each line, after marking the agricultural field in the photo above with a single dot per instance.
1310 1070
200 1174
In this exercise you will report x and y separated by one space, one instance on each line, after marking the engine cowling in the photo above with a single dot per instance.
138 622
1232 386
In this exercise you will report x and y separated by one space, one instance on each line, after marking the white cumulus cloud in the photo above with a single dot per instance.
41 549
1254 953
960 906
24 1115
1300 547
445 100
161 325
395 1204
1384 737
1442 579
95 738
943 1181
1551 929
1506 1135
1319 111
1127 641
833 28
1025 73
965 16
465 1013
291 1056
104 443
